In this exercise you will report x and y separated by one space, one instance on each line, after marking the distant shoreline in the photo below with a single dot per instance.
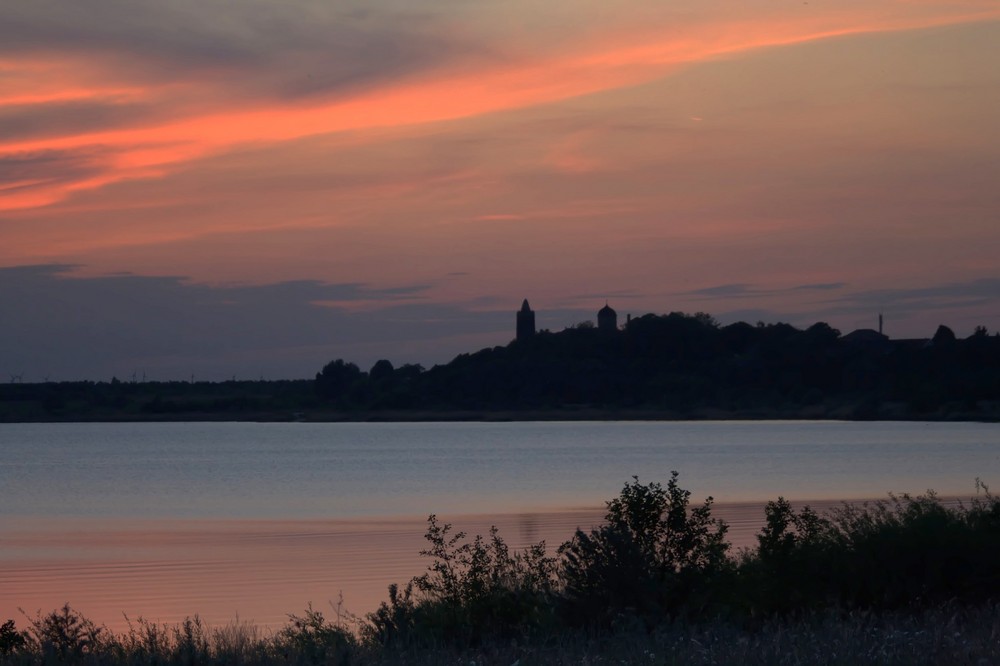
497 416
660 368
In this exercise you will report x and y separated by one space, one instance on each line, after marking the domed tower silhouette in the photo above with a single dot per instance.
607 319
525 321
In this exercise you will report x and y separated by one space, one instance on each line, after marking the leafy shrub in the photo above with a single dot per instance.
471 591
914 551
393 623
904 552
11 640
653 556
65 636
312 639
789 569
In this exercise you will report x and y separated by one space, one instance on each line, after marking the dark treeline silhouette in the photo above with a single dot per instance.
657 366
156 401
690 366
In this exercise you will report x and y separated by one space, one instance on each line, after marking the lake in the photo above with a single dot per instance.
258 519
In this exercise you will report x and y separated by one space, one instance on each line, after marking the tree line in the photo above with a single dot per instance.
690 365
656 366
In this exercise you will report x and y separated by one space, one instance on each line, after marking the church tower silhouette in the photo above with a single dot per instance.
525 321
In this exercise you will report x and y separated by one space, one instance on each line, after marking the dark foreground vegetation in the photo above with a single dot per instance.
673 366
909 580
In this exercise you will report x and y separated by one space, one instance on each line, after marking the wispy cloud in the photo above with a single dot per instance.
210 76
744 290
821 286
594 297
918 308
949 296
727 291
354 159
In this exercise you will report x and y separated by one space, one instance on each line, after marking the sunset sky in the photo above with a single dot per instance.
253 188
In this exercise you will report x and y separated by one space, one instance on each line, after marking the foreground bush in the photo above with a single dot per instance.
904 552
472 591
654 557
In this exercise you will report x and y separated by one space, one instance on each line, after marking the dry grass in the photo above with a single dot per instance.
941 637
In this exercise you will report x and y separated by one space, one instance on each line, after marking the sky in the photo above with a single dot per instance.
218 189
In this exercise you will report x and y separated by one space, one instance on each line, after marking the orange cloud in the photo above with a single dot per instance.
145 150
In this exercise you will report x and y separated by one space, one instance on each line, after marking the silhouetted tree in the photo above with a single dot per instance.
943 336
382 370
822 333
336 378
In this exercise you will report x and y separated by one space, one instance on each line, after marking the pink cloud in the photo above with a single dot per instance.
185 130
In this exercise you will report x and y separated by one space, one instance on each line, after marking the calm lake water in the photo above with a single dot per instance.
169 519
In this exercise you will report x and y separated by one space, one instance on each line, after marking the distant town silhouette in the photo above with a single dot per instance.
672 366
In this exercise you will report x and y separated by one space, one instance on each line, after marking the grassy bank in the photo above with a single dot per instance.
940 637
909 580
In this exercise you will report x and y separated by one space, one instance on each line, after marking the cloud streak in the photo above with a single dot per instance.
211 77
743 290
378 175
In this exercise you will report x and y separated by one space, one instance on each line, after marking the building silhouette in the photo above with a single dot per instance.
607 319
525 321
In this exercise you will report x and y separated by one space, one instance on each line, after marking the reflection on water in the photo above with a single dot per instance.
347 470
255 570
259 570
166 520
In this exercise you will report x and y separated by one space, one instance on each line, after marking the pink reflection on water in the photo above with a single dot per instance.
256 570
